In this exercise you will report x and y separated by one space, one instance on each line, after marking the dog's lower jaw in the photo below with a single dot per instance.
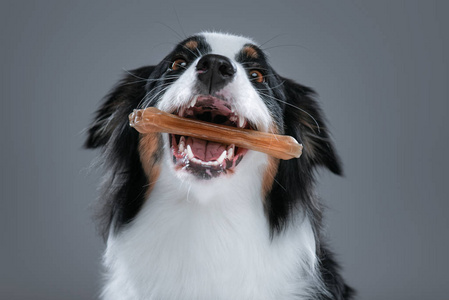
193 240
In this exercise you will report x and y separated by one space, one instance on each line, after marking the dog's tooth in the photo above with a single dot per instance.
241 121
230 151
189 152
182 144
196 160
233 118
193 102
210 163
222 157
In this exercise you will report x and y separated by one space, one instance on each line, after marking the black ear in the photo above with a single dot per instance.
117 105
305 121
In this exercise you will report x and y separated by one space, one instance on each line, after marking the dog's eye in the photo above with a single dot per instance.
178 64
257 76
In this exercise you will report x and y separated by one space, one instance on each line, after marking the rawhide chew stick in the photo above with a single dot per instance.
151 119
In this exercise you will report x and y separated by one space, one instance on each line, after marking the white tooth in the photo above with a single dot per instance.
182 144
189 152
241 121
232 109
192 104
233 118
222 157
231 150
196 160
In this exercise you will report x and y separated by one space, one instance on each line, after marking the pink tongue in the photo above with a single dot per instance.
205 150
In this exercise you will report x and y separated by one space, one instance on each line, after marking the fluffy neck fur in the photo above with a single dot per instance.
193 242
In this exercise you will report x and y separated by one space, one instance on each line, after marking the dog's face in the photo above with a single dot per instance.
216 78
223 79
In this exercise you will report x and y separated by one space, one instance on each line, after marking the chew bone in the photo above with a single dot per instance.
154 120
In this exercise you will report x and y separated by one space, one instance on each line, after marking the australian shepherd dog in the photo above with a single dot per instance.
187 218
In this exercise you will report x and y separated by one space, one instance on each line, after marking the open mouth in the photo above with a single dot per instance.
202 158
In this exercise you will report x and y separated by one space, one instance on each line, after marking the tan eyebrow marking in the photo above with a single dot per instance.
192 45
250 51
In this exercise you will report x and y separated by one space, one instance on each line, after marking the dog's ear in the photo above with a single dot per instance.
305 121
117 105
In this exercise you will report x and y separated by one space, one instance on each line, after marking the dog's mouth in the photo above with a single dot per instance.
202 158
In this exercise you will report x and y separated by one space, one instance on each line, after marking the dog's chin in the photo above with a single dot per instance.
201 158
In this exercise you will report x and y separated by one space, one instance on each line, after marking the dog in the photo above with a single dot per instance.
186 218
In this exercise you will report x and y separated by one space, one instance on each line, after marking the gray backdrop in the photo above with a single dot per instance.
381 69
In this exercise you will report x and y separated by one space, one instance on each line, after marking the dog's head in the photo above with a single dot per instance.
223 79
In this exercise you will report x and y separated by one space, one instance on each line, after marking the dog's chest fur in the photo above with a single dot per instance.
183 245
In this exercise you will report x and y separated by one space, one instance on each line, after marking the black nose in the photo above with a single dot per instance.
215 71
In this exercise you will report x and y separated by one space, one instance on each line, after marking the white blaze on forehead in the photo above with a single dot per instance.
226 44
245 97
240 92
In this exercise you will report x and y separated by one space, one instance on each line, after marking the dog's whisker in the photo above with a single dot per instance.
159 180
199 52
157 95
296 107
151 80
271 39
282 187
144 99
286 45
179 22
165 84
146 102
174 31
188 49
269 88
133 75
164 78
250 66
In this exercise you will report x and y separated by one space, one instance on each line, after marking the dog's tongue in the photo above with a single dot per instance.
205 150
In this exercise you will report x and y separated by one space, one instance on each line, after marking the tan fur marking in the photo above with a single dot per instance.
271 169
148 146
250 52
192 45
268 176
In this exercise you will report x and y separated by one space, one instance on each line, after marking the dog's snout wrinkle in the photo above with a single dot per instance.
215 71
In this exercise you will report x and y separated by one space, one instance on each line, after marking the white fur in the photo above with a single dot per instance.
196 239
209 241
226 44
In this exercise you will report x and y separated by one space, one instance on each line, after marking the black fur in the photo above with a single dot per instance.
333 281
124 186
297 114
294 181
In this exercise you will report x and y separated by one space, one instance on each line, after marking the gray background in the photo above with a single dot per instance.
380 67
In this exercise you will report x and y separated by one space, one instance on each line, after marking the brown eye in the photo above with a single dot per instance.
178 63
256 76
